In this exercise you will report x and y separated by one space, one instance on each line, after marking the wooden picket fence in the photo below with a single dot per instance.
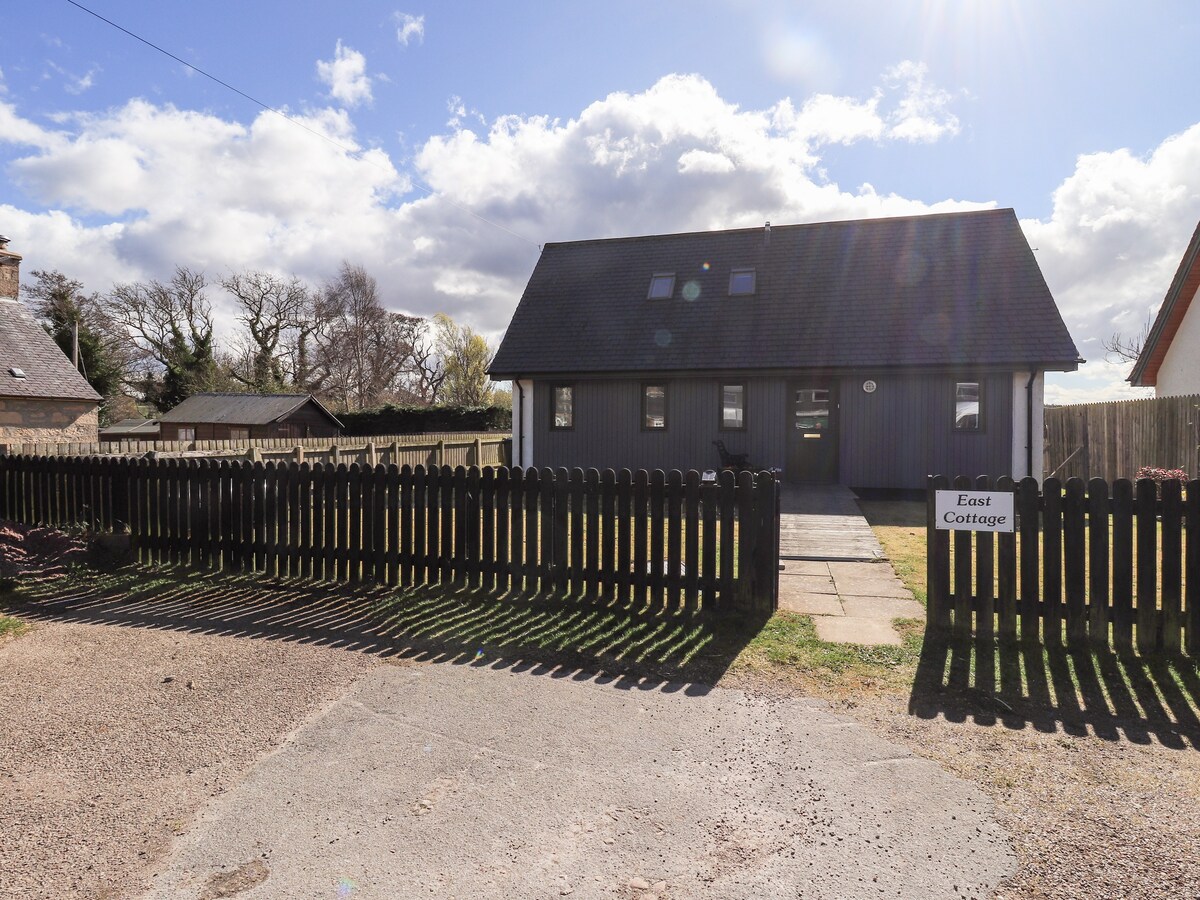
668 540
1107 564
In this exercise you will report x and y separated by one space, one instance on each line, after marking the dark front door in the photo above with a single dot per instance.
812 432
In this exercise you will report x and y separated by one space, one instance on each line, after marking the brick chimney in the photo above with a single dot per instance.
10 271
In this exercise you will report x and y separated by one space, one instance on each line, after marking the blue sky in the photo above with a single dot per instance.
574 120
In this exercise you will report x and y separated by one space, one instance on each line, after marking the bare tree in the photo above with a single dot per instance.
271 309
1122 348
428 374
172 326
466 356
363 351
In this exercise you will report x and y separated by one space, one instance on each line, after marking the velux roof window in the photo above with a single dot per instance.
741 281
662 286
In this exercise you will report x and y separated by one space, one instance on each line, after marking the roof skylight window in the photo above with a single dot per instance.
662 286
16 373
741 281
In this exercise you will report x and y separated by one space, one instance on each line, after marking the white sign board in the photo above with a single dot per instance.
973 510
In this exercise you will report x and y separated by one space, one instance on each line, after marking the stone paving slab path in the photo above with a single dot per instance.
851 603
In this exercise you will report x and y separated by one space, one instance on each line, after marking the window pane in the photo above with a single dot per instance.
654 406
187 434
733 406
966 406
662 286
564 406
811 410
741 281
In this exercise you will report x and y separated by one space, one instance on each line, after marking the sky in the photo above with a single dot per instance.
439 145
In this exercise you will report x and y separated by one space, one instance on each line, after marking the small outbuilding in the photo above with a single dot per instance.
130 430
238 417
870 353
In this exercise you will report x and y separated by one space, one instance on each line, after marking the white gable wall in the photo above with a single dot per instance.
1020 425
1180 369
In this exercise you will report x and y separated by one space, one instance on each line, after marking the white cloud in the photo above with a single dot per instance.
142 187
409 27
923 113
1117 232
74 84
346 76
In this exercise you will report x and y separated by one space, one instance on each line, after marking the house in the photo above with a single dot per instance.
130 430
1168 361
237 417
43 398
870 353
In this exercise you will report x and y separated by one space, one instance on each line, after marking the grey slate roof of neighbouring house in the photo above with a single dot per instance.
241 409
952 289
25 345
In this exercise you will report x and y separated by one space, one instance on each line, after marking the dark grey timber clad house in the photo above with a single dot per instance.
870 353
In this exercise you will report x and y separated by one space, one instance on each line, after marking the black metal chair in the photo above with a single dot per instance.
737 461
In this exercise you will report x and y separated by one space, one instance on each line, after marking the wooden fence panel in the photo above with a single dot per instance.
1117 566
1113 440
660 539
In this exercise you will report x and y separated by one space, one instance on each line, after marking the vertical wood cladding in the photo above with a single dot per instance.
904 431
608 432
892 438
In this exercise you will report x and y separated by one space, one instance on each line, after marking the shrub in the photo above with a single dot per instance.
1160 475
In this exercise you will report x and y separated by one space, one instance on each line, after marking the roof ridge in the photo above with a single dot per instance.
754 229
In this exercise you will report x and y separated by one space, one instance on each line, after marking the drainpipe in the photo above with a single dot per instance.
1029 421
520 422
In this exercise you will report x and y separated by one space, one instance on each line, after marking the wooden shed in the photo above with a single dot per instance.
235 417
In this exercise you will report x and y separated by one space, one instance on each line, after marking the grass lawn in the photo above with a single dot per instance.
11 627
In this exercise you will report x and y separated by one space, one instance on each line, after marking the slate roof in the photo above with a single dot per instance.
938 290
1175 305
131 428
241 409
25 345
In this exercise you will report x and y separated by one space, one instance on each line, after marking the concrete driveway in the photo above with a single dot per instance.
455 781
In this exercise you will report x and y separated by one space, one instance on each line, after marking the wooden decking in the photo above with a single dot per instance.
823 522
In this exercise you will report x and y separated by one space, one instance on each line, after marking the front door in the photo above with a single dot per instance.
812 432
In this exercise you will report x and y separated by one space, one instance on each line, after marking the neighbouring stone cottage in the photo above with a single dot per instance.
43 399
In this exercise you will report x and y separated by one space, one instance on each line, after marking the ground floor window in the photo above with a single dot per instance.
562 406
654 406
239 434
968 406
733 407
186 433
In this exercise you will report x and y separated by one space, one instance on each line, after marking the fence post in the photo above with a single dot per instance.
937 561
372 457
299 454
440 454
1146 612
394 453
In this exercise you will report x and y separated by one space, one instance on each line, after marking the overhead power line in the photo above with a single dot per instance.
271 109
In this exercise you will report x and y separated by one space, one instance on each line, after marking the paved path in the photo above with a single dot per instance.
462 782
850 602
824 522
832 568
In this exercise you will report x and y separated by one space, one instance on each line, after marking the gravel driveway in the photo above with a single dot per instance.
111 738
446 780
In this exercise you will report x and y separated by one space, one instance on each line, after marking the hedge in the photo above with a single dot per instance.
422 419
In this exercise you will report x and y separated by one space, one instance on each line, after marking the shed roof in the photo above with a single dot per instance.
950 289
241 409
131 427
1184 287
25 345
